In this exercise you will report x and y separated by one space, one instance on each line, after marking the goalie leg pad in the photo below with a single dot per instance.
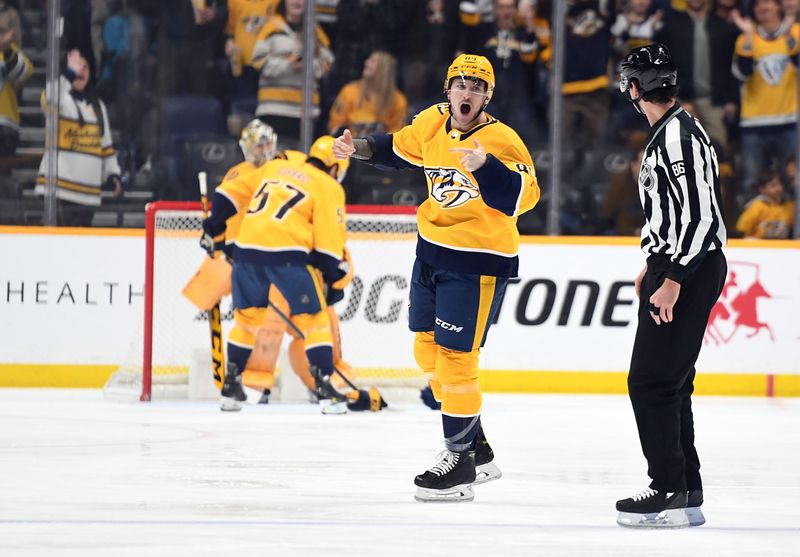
259 373
258 380
299 363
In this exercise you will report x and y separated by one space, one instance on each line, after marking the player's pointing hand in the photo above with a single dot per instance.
343 145
472 159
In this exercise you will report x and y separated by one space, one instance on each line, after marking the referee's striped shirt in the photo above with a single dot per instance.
679 191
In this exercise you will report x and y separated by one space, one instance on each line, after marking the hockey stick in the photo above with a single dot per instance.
301 336
214 315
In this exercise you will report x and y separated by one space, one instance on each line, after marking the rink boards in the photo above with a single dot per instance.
72 301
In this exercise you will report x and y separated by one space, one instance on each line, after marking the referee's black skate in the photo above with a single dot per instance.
485 468
232 391
330 400
693 511
653 509
449 479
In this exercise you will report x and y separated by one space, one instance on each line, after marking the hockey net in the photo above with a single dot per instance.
173 338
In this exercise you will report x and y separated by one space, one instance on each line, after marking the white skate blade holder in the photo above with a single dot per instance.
455 494
486 473
230 405
330 407
695 516
670 518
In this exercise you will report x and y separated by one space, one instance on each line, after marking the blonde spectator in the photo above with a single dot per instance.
371 104
769 215
15 69
86 157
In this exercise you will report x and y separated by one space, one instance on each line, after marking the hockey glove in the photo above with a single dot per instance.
213 238
372 400
333 295
346 270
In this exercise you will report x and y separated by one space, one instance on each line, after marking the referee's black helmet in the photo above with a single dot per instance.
651 66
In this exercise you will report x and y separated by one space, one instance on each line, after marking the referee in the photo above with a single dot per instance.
682 237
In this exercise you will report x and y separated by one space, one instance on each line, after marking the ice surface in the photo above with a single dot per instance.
83 476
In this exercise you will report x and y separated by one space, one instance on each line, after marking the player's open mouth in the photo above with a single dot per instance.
465 108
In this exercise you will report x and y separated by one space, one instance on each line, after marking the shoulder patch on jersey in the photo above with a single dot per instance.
443 108
646 177
231 175
450 187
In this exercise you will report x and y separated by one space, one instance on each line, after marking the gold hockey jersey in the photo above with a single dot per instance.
237 187
361 116
14 72
245 20
763 218
295 217
769 78
468 222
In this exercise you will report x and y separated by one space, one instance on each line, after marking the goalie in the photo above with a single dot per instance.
267 325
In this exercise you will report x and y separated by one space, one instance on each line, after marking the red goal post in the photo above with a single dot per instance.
381 239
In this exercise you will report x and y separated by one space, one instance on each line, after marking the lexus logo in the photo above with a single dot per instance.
213 153
405 197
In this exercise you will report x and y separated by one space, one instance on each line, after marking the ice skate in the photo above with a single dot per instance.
265 397
232 391
485 468
653 509
449 479
693 511
330 400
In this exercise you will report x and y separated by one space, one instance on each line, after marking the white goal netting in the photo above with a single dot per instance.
170 355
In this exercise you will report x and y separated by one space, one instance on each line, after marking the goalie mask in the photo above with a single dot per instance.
259 142
322 149
652 67
473 67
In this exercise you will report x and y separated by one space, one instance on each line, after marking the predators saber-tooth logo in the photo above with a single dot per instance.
450 187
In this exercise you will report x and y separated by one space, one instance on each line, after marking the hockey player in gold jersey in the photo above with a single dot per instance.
480 179
231 201
294 224
259 144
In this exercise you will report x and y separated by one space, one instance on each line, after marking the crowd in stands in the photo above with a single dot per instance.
173 74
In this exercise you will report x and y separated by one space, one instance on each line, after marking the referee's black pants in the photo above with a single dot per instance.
661 377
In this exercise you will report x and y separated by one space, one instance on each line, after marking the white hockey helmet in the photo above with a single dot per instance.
259 142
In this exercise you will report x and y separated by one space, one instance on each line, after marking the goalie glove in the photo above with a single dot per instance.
365 400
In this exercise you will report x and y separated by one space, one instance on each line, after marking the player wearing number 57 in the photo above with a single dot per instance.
293 225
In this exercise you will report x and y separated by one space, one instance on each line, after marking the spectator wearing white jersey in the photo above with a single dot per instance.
86 158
